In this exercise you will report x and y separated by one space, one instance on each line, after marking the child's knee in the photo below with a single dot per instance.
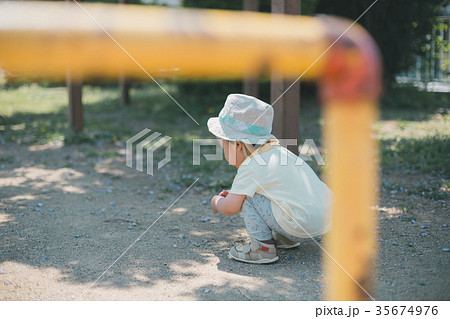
248 205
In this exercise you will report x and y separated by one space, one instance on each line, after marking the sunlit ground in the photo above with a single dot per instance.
69 205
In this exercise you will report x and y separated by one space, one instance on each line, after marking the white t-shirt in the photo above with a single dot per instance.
300 200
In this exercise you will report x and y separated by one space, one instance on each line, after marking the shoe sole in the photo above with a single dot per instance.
261 261
288 246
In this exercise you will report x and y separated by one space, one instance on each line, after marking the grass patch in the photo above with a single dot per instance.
429 154
413 129
421 145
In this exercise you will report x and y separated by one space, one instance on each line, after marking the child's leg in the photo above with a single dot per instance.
259 219
254 223
262 248
260 222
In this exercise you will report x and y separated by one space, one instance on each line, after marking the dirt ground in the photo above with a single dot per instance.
66 218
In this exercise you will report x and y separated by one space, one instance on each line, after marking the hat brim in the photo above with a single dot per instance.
227 133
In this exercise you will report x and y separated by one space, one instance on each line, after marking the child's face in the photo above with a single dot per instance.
233 152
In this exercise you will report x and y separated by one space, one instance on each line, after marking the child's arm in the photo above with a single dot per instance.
228 205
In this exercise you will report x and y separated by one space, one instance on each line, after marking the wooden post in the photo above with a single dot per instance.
250 85
287 105
123 82
74 87
75 112
124 90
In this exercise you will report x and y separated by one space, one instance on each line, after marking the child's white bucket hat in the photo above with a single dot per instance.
243 118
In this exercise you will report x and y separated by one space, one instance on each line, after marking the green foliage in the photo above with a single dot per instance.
402 29
309 7
409 97
399 27
441 44
206 97
435 53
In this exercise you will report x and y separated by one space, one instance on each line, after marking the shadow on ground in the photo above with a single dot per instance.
67 217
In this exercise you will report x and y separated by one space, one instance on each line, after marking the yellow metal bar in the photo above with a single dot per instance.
350 87
352 177
43 39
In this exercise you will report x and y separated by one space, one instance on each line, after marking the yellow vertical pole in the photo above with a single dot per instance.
350 88
352 177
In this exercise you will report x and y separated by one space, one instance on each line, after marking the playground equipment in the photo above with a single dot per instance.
47 39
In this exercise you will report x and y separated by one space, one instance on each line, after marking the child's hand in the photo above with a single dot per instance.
214 200
214 203
228 204
223 193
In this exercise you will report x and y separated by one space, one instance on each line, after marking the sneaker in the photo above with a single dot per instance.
255 252
283 242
